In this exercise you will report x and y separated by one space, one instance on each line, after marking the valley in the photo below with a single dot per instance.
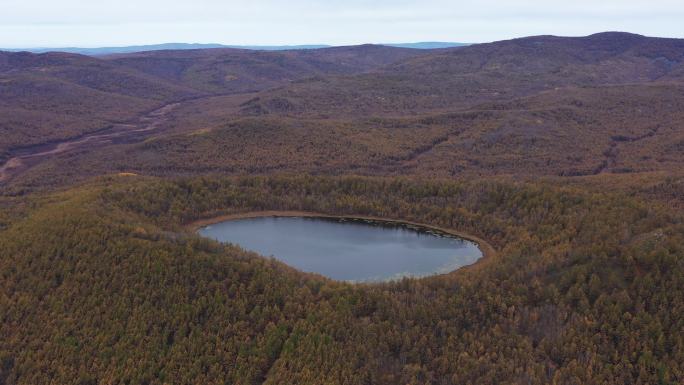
23 159
443 113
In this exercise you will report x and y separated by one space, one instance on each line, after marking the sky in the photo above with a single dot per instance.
97 23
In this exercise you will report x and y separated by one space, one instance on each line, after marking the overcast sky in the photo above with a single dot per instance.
93 23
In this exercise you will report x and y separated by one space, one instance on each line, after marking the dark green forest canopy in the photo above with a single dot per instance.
105 284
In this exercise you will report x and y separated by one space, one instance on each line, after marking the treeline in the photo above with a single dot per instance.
105 285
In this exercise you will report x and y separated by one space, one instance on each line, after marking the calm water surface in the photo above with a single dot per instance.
348 250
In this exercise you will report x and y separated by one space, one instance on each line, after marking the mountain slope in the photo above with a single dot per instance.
576 106
570 132
447 80
47 97
55 96
232 70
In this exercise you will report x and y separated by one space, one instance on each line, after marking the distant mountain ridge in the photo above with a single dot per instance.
428 45
186 46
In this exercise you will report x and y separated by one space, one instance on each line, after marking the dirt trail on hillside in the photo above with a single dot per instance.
118 133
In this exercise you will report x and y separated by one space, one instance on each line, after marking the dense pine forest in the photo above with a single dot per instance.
105 284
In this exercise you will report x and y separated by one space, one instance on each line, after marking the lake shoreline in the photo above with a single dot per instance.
487 250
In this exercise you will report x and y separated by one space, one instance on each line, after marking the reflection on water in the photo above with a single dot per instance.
349 250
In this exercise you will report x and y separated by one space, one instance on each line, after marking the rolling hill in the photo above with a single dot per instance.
55 96
542 105
232 70
566 155
576 106
448 80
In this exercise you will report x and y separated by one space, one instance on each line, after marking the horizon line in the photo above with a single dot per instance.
304 45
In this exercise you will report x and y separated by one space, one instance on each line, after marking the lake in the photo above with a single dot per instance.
349 249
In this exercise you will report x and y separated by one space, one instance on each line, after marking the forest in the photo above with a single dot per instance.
104 283
535 106
564 154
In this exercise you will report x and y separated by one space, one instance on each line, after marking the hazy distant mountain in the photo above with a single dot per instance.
428 45
183 46
159 47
